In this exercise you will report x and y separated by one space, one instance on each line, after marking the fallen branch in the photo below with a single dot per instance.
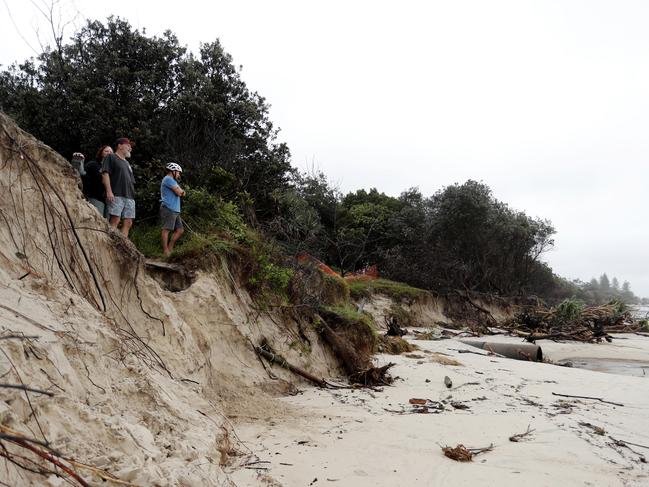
373 376
588 397
471 351
281 361
50 458
4 436
19 337
518 437
629 443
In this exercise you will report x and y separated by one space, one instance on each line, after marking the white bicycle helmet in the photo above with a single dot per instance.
172 166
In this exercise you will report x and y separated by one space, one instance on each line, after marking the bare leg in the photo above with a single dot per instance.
126 226
114 221
165 239
176 235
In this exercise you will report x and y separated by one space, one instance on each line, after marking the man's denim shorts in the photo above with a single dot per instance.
122 207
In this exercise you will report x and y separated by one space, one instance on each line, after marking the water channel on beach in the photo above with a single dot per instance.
636 368
620 366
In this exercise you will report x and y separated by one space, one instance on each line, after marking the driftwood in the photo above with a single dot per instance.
394 329
373 376
279 360
588 397
463 454
590 324
518 437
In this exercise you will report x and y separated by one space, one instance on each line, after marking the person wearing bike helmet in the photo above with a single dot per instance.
170 194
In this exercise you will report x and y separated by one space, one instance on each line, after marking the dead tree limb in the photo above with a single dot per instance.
588 397
518 437
50 458
276 359
19 337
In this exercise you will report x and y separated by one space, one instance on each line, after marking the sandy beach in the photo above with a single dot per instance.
373 438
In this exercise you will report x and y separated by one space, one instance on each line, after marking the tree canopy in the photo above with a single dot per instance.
111 80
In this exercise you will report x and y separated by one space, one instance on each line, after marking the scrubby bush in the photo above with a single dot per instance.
569 310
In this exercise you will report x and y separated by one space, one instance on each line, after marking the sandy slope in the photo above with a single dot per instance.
365 438
142 378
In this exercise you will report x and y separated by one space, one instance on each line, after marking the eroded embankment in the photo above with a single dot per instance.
135 380
424 309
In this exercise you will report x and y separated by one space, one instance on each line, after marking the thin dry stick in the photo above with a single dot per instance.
13 458
101 473
4 436
47 456
26 388
629 443
518 437
477 451
588 397
29 401
27 319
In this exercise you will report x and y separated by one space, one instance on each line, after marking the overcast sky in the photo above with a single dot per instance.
547 102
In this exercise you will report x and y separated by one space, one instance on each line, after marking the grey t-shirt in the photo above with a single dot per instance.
121 176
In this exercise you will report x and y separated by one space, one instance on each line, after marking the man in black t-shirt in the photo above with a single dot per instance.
118 180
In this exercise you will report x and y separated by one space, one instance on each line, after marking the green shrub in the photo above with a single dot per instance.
208 213
620 308
569 310
269 276
147 239
212 226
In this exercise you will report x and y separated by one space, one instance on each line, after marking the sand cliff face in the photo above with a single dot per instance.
142 379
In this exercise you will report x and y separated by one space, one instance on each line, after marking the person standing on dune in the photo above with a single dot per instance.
117 176
170 193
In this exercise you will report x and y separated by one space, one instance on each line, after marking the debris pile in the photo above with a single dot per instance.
571 320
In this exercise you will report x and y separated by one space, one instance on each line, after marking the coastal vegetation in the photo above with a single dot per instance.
111 80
